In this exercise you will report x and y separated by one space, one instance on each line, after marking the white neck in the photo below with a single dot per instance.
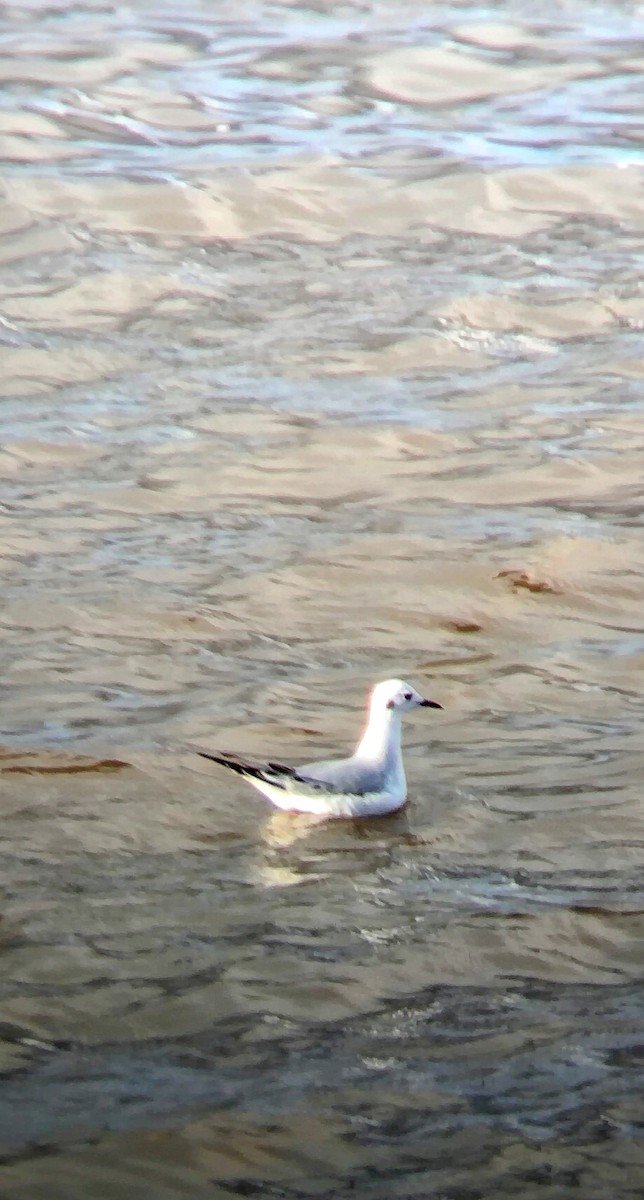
380 742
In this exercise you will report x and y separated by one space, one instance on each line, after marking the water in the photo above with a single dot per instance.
321 335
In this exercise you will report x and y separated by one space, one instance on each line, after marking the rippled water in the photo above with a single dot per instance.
321 345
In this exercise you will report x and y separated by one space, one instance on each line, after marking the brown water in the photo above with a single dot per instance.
322 360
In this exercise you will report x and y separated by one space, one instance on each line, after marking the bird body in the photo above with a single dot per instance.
370 783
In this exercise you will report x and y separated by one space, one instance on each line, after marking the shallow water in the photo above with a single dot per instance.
321 344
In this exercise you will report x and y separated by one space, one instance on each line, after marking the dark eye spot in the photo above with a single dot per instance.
407 695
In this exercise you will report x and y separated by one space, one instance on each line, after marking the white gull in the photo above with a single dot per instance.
370 783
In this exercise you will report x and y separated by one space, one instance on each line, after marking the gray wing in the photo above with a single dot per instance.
343 775
339 777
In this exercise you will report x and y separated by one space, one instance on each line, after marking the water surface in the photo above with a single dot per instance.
321 346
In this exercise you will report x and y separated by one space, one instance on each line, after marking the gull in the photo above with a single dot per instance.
370 783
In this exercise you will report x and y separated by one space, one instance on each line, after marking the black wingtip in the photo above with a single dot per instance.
222 760
252 770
